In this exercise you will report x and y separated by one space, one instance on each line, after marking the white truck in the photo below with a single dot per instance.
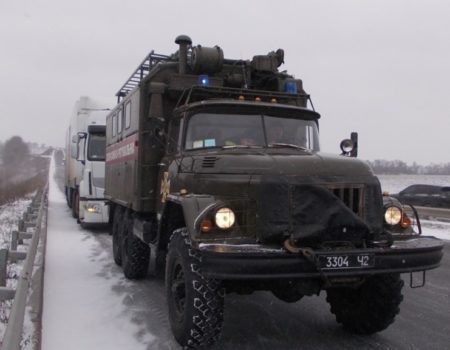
85 161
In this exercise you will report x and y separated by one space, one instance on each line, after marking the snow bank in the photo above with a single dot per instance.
81 309
10 214
437 229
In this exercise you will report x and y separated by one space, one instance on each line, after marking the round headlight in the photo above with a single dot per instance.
393 215
224 218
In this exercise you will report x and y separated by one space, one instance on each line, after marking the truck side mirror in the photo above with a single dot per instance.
82 136
157 124
354 138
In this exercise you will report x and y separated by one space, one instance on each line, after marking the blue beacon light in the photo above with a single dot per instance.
203 80
290 86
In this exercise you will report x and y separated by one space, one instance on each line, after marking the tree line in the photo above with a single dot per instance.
21 172
388 167
15 151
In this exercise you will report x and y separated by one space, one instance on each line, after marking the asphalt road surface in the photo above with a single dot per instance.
261 321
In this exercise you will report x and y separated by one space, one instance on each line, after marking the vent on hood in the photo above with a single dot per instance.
209 162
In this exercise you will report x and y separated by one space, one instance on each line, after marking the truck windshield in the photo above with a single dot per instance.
96 147
222 130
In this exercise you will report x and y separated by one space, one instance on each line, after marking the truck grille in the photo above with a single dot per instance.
351 196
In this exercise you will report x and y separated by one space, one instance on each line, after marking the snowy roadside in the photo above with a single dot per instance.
438 229
81 308
10 214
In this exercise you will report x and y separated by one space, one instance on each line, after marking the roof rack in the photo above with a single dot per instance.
197 93
150 61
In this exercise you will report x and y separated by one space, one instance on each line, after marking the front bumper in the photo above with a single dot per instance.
255 261
99 216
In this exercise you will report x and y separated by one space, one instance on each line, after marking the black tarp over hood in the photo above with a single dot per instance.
310 213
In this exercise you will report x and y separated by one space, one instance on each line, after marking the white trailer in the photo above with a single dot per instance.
85 161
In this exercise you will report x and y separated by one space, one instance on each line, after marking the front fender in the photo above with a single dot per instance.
194 208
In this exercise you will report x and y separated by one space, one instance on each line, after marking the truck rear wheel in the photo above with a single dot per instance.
135 253
116 235
68 198
75 204
371 307
195 302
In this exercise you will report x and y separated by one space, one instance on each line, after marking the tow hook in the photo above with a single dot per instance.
290 247
309 255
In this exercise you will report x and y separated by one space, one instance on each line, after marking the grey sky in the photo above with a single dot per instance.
381 68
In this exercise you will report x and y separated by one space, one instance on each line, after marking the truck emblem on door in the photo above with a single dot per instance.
165 187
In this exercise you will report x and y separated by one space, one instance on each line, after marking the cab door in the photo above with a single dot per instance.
169 166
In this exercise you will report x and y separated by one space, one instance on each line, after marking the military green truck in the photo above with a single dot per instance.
214 175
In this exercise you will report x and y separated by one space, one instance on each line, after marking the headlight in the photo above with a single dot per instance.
224 218
393 215
93 208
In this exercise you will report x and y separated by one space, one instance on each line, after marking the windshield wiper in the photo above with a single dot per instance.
289 145
240 146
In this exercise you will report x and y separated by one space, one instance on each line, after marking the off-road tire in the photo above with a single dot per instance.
371 307
116 235
68 199
135 253
195 302
75 204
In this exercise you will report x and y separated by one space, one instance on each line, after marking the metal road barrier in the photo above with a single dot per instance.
35 218
441 214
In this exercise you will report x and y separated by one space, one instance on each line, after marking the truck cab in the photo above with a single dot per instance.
85 165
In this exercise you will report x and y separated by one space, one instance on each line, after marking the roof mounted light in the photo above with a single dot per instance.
290 86
203 80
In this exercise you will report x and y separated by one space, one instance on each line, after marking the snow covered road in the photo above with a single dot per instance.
82 306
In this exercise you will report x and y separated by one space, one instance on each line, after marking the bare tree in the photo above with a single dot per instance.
15 151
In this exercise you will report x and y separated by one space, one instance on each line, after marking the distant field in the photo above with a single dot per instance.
20 180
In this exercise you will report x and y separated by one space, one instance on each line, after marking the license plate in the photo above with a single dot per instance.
346 261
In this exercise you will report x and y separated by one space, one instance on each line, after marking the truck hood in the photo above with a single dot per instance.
306 196
267 162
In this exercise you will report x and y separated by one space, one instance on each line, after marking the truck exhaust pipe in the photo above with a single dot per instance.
184 41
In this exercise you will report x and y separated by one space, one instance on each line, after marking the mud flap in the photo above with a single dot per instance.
420 284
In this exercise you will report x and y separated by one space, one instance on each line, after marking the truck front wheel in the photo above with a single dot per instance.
371 307
135 253
195 302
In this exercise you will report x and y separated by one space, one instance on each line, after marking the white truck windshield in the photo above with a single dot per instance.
97 147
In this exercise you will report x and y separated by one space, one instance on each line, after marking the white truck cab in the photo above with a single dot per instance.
85 162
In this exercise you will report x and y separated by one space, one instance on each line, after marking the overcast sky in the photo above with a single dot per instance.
381 68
